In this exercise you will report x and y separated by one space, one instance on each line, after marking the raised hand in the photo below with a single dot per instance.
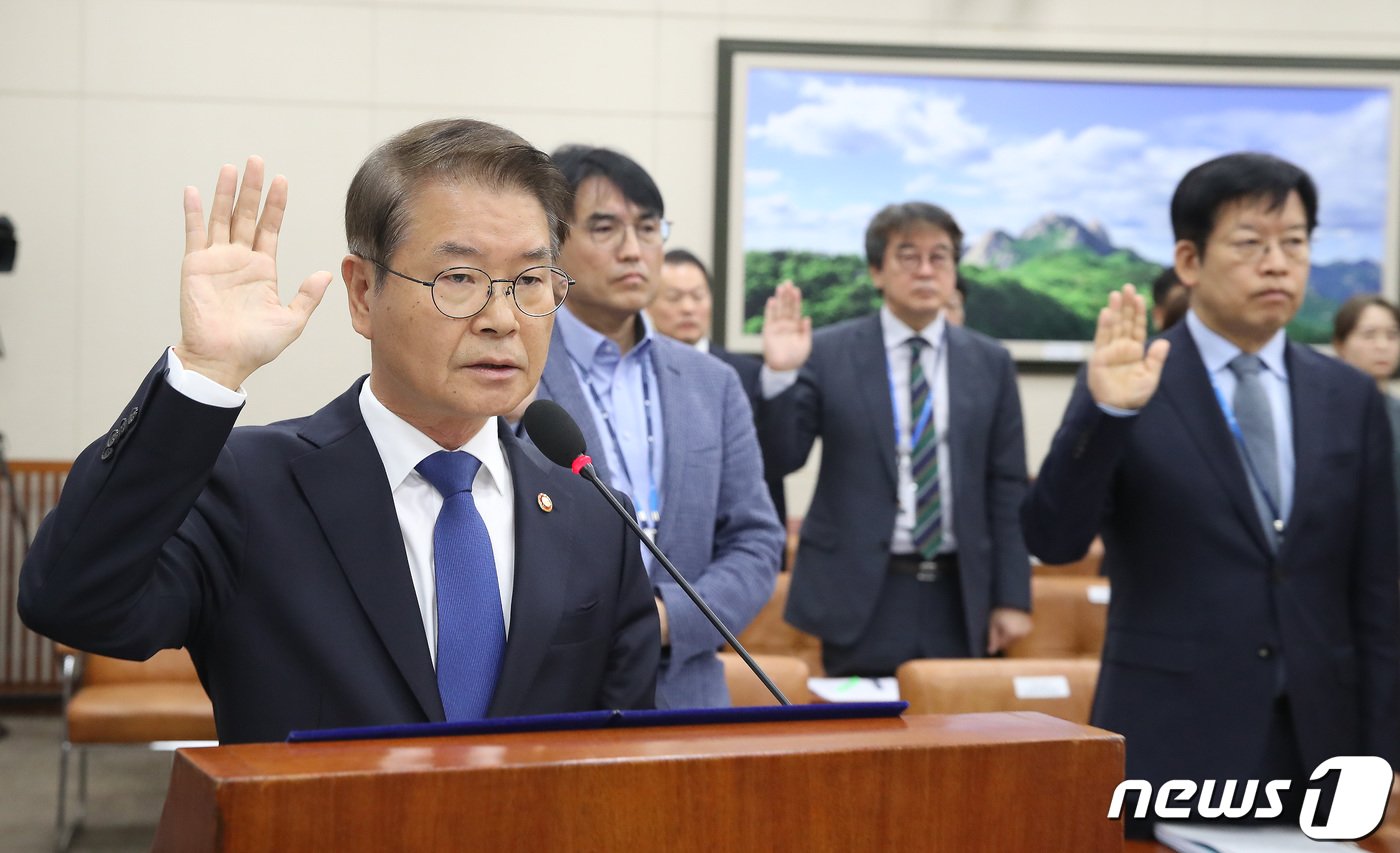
232 320
1121 374
787 335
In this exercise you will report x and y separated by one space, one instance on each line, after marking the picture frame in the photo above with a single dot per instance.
1058 165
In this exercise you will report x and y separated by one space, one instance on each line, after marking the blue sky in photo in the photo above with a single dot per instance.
825 150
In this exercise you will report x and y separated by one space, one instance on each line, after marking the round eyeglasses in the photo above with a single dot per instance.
462 292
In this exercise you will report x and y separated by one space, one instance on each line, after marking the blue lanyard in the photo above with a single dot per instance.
649 513
926 413
1238 433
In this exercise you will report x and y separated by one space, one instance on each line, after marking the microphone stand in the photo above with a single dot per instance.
589 473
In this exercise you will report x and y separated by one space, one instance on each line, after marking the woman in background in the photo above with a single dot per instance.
1366 335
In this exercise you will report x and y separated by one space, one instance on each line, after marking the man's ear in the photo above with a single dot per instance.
359 277
877 277
1187 260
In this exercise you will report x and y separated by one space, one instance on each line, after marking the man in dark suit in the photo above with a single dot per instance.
1242 487
682 310
664 423
912 546
397 556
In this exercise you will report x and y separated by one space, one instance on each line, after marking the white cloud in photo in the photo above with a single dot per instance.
851 118
759 179
1345 153
1119 175
1116 175
776 221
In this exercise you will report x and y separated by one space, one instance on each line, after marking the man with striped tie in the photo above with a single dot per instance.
912 545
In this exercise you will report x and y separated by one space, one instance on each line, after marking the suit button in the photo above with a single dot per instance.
1265 652
106 454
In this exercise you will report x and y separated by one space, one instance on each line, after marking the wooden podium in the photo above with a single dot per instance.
969 782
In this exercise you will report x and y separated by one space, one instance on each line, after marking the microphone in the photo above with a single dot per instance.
557 436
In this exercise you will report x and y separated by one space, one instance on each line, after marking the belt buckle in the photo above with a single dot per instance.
927 572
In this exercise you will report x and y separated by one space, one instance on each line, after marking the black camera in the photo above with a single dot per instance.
8 244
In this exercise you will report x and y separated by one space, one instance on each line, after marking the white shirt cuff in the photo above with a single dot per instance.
1117 412
775 382
199 387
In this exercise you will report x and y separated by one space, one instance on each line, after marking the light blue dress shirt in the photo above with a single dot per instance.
1217 353
617 387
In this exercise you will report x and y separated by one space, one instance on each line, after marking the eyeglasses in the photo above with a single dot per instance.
610 232
462 292
1251 250
911 261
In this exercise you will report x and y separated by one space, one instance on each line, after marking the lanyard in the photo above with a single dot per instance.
926 413
1248 460
648 513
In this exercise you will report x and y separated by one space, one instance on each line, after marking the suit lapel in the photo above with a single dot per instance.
964 390
870 373
345 484
543 546
1311 401
560 383
674 414
1188 390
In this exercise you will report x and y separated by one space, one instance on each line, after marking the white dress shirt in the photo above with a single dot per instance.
401 447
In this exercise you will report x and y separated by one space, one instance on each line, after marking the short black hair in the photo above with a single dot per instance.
581 162
1162 285
685 256
894 218
1244 176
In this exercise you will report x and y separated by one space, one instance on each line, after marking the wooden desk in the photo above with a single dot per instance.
995 782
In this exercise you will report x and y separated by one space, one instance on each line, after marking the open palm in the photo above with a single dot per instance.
232 320
1121 374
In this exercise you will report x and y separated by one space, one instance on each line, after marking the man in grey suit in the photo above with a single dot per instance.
666 424
912 545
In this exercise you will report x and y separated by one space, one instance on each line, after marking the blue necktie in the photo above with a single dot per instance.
471 629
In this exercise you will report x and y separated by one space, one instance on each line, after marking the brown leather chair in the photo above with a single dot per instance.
1071 616
745 688
769 634
157 703
971 685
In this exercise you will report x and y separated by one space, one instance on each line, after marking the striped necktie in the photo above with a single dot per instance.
928 499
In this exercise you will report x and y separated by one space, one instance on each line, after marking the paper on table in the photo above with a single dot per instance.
1215 838
855 689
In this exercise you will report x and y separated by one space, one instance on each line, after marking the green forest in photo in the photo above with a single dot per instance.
1028 289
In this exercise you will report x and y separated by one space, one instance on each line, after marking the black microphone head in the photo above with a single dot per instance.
554 432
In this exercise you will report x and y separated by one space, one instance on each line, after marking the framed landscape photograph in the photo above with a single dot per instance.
1059 167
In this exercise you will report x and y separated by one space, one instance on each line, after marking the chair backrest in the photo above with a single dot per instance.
1060 688
746 690
1070 618
769 634
166 665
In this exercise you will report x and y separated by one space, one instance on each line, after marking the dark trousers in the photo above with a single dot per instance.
913 619
1282 760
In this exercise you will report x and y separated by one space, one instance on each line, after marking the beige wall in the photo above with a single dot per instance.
109 107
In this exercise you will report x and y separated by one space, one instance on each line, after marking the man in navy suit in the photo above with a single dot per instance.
398 556
912 546
682 310
665 424
1242 488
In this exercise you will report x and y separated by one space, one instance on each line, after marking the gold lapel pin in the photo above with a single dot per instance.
545 502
